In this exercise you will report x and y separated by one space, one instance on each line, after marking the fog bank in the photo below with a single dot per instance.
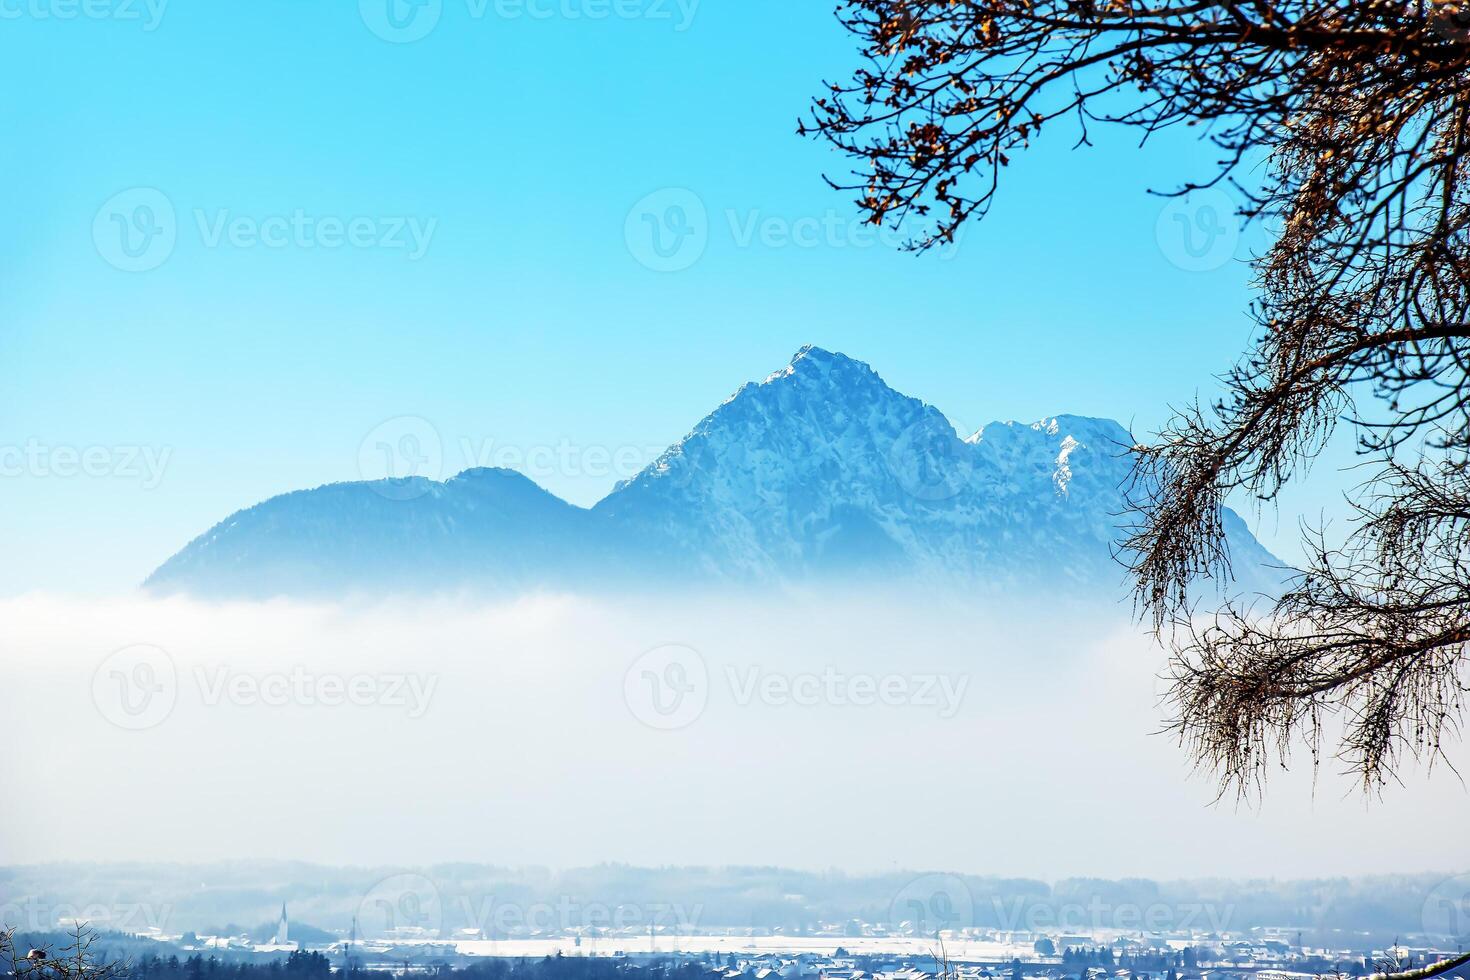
866 733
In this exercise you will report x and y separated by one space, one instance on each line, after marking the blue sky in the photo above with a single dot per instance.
447 230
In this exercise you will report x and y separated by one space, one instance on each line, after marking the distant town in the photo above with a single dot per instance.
226 921
845 951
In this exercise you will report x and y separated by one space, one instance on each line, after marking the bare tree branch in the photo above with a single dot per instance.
1348 123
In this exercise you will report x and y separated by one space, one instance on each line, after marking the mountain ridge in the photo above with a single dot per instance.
820 471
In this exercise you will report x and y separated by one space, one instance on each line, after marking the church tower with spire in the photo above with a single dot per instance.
282 929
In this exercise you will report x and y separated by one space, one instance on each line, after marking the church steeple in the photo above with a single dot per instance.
282 929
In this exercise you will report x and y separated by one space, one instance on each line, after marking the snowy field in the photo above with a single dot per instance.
957 949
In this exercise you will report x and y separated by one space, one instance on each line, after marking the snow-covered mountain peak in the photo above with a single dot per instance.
819 469
815 366
821 406
1082 428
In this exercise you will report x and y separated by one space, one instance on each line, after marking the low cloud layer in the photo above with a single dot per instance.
863 733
